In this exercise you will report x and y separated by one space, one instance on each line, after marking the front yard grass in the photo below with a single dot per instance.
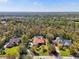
65 52
14 51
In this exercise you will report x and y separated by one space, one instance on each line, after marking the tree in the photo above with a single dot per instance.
74 48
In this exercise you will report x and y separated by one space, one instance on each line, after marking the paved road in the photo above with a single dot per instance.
45 57
49 57
68 58
8 58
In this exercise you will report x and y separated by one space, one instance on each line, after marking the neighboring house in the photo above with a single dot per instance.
64 42
38 40
3 22
13 42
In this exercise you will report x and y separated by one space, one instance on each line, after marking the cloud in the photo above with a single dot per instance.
3 1
37 4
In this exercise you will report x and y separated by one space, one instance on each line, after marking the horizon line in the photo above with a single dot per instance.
41 11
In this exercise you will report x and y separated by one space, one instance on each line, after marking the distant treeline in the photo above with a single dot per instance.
39 13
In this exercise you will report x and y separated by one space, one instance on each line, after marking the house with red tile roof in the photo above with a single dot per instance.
38 40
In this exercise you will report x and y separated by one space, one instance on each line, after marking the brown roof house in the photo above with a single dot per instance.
13 42
38 40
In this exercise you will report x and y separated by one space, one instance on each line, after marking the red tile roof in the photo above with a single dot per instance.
37 40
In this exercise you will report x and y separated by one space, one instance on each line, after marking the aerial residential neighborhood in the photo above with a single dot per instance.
37 37
39 29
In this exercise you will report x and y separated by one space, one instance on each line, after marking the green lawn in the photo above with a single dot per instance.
12 51
65 52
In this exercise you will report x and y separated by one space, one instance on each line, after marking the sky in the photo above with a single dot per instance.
39 5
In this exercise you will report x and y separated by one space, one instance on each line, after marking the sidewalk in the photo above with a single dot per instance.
68 58
51 57
43 57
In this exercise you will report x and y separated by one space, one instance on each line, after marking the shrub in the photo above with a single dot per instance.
2 52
